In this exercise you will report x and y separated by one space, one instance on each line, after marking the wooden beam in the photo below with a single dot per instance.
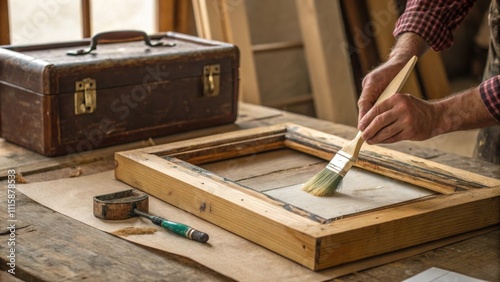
165 11
227 21
4 23
276 46
430 80
383 17
433 77
329 64
183 17
362 49
86 19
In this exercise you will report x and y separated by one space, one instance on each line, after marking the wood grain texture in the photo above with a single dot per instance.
475 255
4 23
317 243
333 86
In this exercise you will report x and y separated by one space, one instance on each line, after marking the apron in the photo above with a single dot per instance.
488 140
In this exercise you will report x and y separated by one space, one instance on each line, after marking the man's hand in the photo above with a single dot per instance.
383 122
401 117
375 83
405 117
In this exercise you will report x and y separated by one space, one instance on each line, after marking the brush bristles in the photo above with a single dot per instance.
323 184
327 181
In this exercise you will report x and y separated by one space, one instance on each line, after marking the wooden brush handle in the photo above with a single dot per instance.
399 80
394 86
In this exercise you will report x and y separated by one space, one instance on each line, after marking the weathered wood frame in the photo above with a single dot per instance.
169 172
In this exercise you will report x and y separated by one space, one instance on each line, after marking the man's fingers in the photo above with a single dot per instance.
388 134
364 107
377 119
394 138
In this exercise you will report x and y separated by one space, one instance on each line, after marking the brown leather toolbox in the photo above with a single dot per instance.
114 88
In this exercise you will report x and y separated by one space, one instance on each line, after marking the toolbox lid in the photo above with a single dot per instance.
48 69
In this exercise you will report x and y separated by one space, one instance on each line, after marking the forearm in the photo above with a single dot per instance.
463 111
407 45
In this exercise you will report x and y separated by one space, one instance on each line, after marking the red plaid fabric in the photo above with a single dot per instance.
435 21
490 93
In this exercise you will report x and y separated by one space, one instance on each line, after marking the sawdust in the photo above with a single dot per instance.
151 141
76 172
124 232
20 179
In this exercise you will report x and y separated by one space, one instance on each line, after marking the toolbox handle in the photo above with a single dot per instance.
118 36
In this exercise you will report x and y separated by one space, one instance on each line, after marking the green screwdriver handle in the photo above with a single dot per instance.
177 228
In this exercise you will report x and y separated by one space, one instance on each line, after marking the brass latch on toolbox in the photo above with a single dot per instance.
211 80
85 96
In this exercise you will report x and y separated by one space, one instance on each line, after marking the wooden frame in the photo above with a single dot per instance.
170 172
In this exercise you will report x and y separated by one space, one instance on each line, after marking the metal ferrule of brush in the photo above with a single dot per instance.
341 163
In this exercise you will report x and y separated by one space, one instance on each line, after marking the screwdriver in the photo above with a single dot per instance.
175 227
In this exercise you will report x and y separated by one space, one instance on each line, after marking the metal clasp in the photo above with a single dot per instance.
211 80
85 96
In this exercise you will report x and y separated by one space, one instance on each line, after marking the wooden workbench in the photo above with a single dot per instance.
53 247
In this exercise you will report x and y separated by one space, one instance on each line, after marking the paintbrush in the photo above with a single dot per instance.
327 181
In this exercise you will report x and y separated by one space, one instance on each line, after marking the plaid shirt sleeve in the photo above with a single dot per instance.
490 94
433 20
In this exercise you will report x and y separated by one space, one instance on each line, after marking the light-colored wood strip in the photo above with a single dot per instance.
217 140
329 64
201 19
237 149
378 260
276 46
4 23
235 23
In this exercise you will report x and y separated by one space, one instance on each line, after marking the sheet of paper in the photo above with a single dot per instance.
226 253
435 274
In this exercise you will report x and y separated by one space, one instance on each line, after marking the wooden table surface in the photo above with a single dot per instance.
53 247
